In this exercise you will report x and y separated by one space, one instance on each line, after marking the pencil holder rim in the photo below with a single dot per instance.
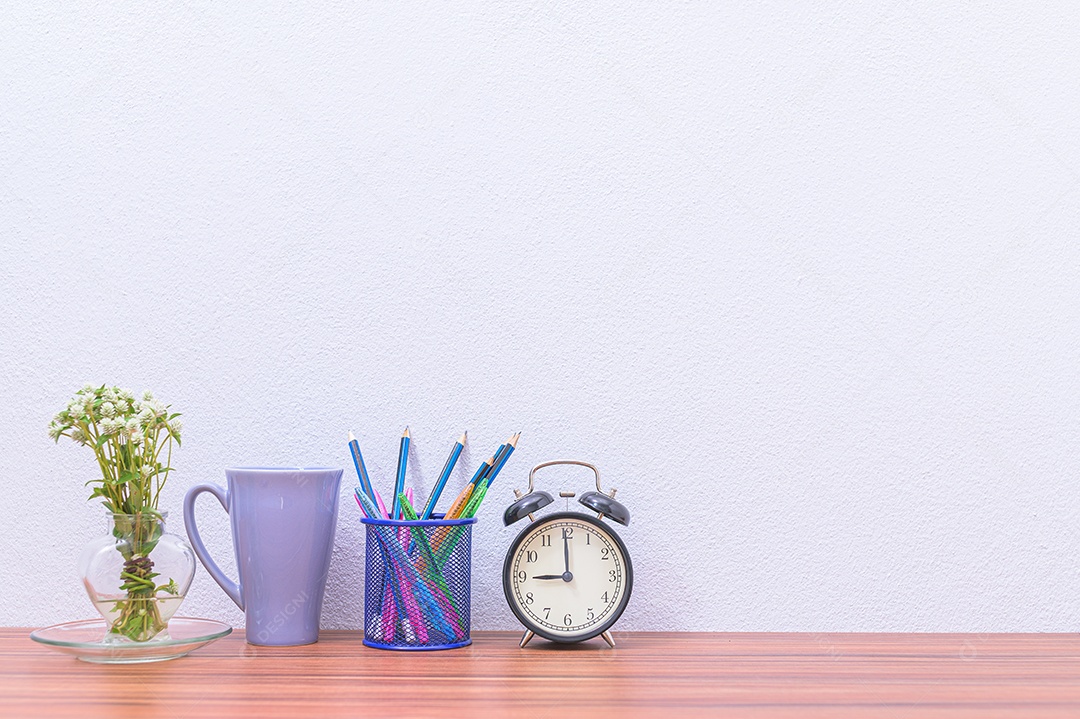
418 522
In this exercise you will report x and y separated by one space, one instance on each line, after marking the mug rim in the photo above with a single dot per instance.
284 469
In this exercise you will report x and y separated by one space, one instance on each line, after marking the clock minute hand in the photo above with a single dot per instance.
566 553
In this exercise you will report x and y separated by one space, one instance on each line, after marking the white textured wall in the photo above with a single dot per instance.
803 281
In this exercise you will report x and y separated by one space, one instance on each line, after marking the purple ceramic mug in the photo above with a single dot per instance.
283 522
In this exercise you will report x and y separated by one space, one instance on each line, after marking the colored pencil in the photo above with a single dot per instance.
410 588
399 485
391 577
360 504
463 498
436 491
361 470
459 502
430 568
474 502
446 546
495 458
510 446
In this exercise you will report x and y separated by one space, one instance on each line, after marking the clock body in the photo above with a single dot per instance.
567 577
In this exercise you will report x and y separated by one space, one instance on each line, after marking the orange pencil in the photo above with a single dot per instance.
460 502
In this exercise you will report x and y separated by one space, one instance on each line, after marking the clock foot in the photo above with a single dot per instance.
608 638
528 636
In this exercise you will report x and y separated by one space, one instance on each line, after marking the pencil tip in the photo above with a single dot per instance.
514 439
406 433
491 459
351 436
464 437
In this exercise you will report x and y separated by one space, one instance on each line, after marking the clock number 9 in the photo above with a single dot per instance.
521 576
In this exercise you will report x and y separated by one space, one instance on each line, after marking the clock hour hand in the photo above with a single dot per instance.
548 576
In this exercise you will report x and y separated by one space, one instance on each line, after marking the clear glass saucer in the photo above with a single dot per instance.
86 640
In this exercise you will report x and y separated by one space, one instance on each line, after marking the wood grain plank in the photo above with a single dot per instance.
648 674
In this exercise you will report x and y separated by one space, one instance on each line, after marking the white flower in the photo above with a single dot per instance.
86 388
126 394
132 425
108 409
136 437
55 429
148 396
78 436
111 425
145 413
146 470
109 395
176 425
75 409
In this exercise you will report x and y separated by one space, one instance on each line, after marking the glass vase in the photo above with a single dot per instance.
137 576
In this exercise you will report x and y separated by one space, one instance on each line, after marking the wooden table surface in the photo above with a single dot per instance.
647 674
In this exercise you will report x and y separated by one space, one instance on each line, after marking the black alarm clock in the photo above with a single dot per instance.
567 576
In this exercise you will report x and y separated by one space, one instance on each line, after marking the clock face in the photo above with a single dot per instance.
567 577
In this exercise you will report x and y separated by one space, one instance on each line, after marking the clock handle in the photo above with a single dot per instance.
565 461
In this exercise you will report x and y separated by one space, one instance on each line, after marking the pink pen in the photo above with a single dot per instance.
382 507
388 614
413 615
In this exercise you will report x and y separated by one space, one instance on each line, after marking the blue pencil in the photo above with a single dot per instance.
361 470
399 485
444 475
480 472
494 471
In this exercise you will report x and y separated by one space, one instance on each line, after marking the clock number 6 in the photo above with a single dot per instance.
567 620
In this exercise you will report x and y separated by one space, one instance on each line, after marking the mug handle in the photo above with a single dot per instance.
231 588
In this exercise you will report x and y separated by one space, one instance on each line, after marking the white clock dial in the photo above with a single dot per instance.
567 577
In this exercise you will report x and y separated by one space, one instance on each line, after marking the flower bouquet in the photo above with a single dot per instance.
137 575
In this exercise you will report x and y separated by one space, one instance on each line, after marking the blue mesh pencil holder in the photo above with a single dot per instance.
417 583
